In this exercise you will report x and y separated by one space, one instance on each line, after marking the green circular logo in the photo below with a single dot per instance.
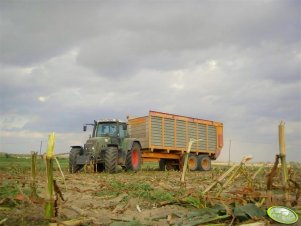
282 214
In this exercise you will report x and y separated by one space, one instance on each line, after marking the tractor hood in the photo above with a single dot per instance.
95 144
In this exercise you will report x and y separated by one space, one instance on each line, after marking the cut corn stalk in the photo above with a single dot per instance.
3 221
220 179
227 173
33 184
63 176
283 162
49 205
234 174
191 141
257 172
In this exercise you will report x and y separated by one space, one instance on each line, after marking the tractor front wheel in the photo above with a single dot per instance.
111 157
73 167
133 158
99 167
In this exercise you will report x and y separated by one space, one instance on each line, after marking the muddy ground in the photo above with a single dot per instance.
147 197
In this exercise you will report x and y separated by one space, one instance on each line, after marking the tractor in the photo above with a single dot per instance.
108 146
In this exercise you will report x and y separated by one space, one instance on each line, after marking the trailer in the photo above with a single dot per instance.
159 137
164 138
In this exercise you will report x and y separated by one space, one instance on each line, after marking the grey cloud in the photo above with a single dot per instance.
235 62
32 32
111 36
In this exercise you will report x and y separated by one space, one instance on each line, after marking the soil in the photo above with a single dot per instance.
148 197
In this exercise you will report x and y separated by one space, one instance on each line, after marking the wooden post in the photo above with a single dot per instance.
282 150
49 204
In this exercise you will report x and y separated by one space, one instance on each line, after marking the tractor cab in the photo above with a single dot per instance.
111 129
108 128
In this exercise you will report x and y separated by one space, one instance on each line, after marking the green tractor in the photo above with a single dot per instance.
108 146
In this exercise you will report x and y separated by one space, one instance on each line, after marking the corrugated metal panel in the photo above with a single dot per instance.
192 133
211 138
156 131
181 134
202 135
169 132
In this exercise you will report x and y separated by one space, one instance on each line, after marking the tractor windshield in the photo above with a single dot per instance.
106 129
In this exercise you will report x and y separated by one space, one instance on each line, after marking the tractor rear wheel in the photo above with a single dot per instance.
133 158
111 157
192 162
204 162
73 167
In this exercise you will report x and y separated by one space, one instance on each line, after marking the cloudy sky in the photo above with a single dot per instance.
66 63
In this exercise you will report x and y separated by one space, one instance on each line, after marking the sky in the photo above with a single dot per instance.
66 63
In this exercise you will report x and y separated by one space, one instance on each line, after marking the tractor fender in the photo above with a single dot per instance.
77 146
80 147
131 142
126 147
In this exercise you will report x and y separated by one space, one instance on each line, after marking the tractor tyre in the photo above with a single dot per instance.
73 167
192 162
162 164
99 167
168 164
133 158
172 165
204 162
111 157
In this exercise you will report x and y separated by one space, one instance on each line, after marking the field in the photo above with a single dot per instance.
148 197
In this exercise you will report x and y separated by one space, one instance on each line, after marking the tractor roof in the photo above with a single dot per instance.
110 120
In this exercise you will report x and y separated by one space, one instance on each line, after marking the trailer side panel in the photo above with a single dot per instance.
165 133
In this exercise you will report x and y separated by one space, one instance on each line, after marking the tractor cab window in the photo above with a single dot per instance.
121 131
106 129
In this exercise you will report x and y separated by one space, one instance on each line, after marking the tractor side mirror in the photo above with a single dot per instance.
85 128
124 127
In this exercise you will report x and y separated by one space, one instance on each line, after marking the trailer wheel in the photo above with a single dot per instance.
162 164
192 162
168 164
73 167
133 158
111 156
204 162
172 164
